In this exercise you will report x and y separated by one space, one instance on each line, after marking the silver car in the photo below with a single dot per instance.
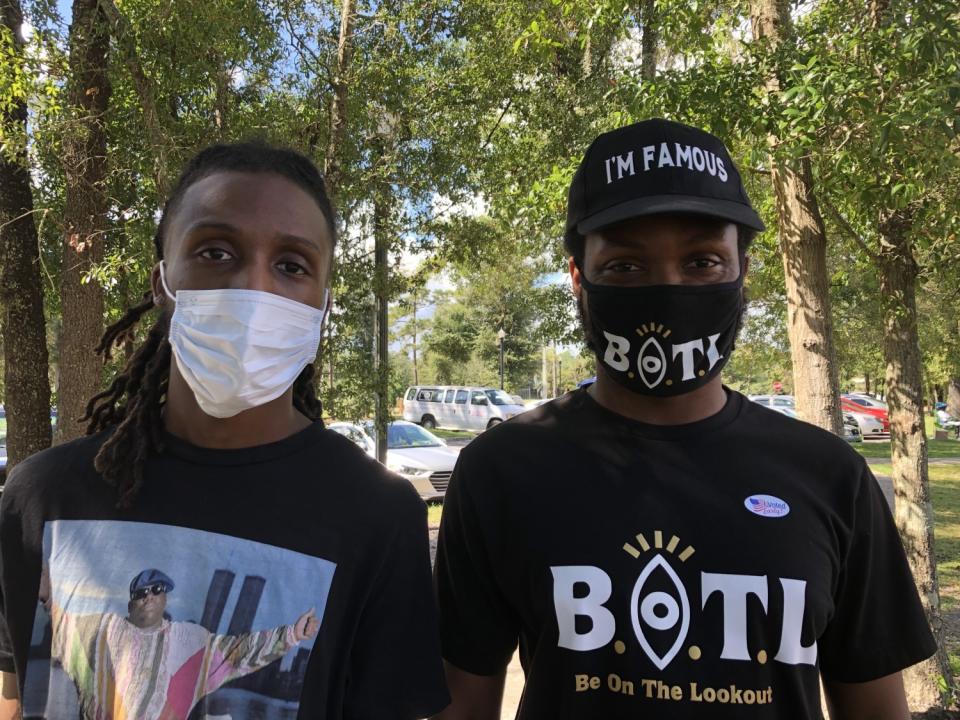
416 454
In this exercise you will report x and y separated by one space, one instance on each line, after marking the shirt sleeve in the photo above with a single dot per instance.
479 630
8 545
395 668
6 647
879 626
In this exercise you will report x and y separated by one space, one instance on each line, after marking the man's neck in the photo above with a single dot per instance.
270 422
698 404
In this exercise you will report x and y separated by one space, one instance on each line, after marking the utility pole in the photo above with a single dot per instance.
543 374
500 336
381 323
416 370
382 206
553 345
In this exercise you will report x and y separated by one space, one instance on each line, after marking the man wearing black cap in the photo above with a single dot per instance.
658 545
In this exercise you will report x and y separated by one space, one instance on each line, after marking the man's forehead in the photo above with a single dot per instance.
232 197
657 230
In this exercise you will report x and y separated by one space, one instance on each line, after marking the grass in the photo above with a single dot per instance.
453 434
935 449
945 496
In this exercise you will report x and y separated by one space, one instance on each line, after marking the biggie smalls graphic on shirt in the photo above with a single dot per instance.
143 621
724 629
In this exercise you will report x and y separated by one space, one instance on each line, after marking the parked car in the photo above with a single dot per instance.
775 401
871 427
859 404
866 400
416 454
851 431
458 407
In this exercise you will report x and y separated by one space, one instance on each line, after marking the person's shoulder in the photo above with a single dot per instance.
797 438
544 420
58 466
370 478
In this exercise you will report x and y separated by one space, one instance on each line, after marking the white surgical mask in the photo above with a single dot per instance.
238 349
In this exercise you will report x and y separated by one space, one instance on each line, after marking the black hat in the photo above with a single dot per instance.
656 166
149 577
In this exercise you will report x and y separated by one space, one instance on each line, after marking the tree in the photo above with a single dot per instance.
85 215
22 323
888 163
803 242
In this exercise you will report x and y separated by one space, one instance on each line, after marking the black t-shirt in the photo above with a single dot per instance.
707 570
289 580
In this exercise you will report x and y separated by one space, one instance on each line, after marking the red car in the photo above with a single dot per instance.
853 403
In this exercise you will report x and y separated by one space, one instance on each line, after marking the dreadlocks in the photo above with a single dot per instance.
133 403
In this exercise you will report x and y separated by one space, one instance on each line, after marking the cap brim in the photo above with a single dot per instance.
658 204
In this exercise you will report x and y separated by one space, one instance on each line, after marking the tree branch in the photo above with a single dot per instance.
123 33
849 229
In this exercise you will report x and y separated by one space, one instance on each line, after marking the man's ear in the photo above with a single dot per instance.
159 296
575 284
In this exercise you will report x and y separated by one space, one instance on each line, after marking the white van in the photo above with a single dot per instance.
458 407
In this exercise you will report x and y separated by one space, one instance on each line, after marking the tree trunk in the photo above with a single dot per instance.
85 215
803 243
649 40
416 369
338 104
953 397
381 225
146 94
22 324
913 511
330 405
866 382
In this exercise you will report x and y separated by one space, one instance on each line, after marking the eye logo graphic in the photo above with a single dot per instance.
660 613
652 361
655 612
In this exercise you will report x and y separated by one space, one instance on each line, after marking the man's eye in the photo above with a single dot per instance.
215 254
704 263
623 267
292 268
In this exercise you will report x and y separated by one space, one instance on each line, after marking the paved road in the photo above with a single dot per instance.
886 484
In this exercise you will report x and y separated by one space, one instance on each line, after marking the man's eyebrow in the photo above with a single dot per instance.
297 239
210 225
228 228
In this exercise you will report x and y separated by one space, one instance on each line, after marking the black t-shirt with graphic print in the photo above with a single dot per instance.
198 601
705 570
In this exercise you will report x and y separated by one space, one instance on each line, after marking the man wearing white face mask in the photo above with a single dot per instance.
207 454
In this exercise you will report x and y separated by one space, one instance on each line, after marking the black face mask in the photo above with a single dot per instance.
664 340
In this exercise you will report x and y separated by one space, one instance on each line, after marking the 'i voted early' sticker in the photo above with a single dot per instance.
766 506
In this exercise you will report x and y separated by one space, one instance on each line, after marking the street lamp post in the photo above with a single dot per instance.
500 336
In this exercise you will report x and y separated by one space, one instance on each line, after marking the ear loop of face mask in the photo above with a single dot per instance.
327 299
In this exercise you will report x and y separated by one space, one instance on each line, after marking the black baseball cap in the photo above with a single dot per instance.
656 166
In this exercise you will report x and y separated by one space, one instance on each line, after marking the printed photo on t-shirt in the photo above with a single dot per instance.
137 621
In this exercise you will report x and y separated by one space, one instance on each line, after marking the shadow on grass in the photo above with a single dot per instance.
936 449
